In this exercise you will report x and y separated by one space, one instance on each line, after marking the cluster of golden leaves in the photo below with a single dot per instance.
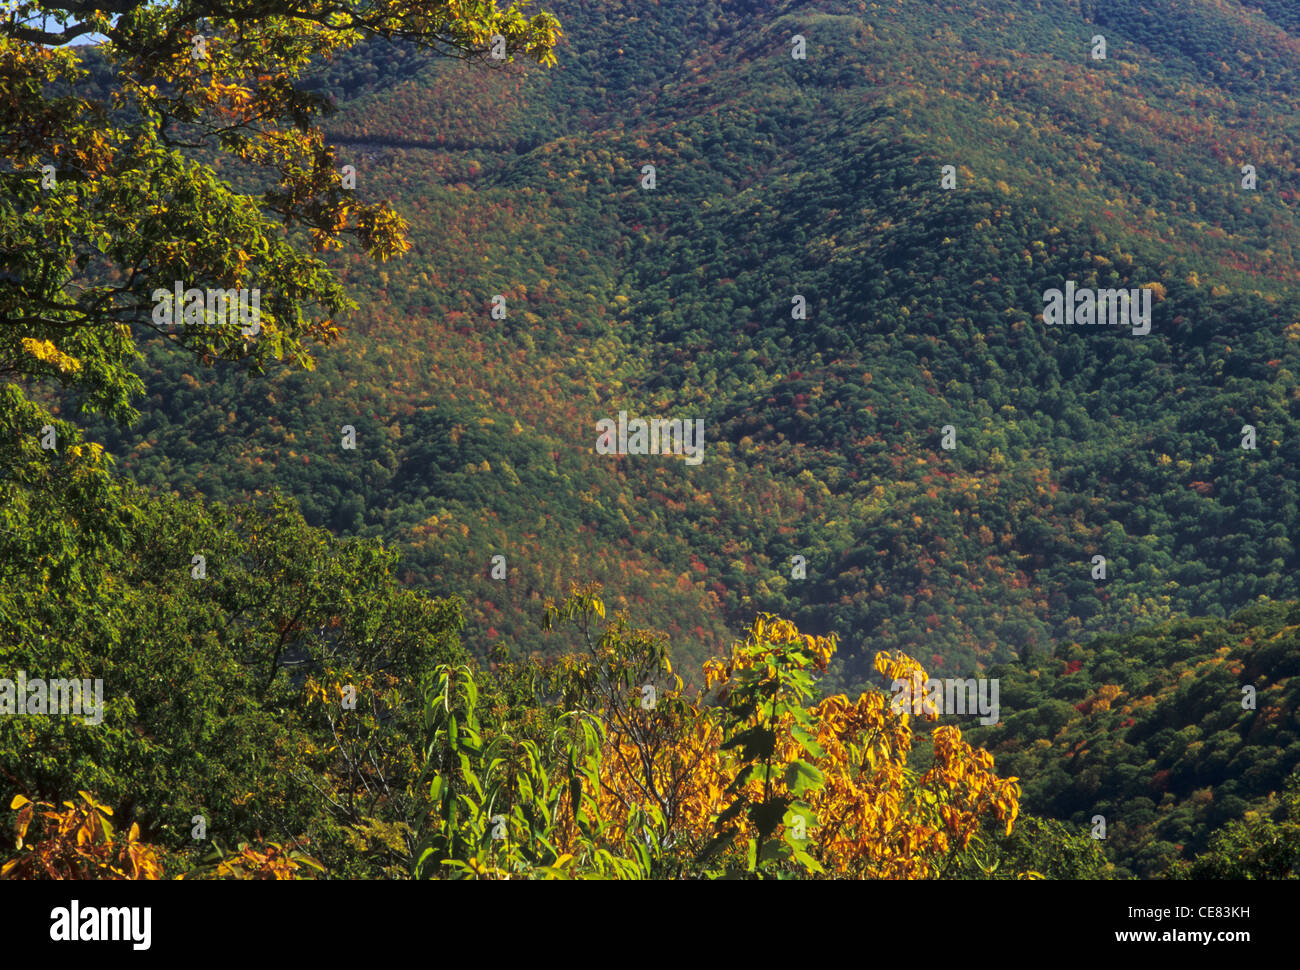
44 350
876 817
77 843
270 861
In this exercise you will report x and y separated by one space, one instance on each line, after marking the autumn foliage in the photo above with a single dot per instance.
79 842
745 774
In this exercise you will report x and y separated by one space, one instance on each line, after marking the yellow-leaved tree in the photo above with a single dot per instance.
743 774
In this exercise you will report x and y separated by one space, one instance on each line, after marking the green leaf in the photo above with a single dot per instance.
811 864
807 742
801 777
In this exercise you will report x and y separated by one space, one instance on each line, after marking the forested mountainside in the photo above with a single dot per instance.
1168 733
823 236
820 178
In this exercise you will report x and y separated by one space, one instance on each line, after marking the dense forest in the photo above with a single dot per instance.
818 178
366 598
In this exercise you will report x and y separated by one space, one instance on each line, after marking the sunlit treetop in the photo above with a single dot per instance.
111 194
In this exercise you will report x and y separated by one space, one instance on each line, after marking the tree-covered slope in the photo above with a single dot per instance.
821 178
1167 733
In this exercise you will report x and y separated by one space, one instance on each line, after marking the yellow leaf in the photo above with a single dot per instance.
94 804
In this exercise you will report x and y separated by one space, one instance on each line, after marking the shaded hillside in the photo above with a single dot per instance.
1152 732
